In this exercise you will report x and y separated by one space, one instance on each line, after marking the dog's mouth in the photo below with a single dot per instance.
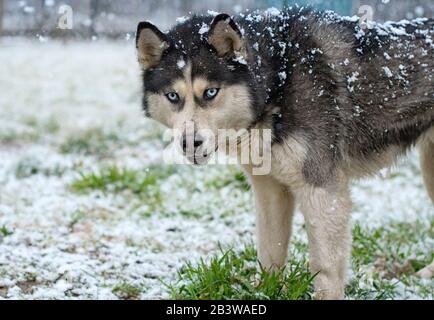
200 159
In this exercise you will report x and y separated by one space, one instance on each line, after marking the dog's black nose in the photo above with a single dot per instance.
188 142
198 141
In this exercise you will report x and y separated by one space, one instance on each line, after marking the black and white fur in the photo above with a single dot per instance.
342 102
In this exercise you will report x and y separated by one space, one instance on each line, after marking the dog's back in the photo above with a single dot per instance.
390 86
360 97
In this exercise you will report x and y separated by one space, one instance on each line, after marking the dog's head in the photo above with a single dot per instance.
196 79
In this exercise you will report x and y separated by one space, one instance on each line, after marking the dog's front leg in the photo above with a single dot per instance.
327 214
274 211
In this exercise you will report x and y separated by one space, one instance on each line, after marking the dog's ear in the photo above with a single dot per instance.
151 43
225 36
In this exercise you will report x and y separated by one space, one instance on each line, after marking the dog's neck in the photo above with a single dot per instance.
268 89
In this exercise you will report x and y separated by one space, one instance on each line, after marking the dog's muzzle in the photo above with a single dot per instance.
193 148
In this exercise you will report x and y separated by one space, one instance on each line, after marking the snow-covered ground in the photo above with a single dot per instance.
57 243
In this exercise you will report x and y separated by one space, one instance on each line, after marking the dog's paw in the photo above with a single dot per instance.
427 272
328 295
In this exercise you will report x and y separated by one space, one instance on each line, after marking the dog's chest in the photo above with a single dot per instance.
287 162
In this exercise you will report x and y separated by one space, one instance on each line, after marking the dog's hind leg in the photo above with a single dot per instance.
274 212
427 165
427 272
327 214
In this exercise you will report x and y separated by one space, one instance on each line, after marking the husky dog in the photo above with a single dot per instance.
342 102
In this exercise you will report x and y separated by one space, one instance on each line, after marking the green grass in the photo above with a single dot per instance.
50 125
5 231
236 179
112 179
396 243
234 275
393 254
28 167
127 291
241 181
76 217
12 137
383 258
34 130
94 141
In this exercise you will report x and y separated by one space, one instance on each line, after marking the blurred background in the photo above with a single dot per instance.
116 18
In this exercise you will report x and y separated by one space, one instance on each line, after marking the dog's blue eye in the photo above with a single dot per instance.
211 93
173 97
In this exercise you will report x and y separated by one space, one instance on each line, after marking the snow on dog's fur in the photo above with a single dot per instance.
342 102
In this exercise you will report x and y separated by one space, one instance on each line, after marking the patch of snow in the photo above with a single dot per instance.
182 19
203 29
351 79
212 13
181 63
272 11
388 72
240 59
